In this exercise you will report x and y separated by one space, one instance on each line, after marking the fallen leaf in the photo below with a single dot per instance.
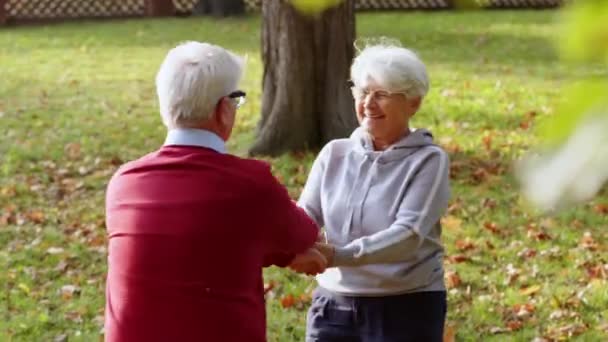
480 175
450 146
288 301
452 279
492 227
69 291
514 325
498 330
489 203
74 316
305 298
268 287
8 191
61 338
569 330
512 274
530 290
458 258
487 141
8 215
72 150
464 245
557 314
538 235
61 266
35 216
457 205
601 208
587 242
577 224
596 271
451 222
527 253
55 250
449 333
23 287
448 93
540 339
527 120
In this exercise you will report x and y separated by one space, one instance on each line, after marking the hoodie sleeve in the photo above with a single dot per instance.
423 205
310 199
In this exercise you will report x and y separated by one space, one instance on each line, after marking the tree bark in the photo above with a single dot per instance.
159 8
306 101
3 12
219 8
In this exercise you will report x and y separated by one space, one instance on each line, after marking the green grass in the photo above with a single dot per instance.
77 99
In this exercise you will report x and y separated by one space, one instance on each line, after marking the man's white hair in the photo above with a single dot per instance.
192 79
391 66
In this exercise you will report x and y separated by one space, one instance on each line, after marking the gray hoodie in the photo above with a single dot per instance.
381 210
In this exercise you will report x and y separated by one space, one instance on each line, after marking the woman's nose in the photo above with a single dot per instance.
368 101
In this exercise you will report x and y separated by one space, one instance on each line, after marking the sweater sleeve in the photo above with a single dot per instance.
421 208
289 229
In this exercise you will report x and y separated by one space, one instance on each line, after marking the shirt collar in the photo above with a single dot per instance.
195 137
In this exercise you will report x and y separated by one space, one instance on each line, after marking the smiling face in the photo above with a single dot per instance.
383 114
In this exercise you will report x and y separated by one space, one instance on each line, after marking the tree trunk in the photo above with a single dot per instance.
219 8
159 8
3 12
306 100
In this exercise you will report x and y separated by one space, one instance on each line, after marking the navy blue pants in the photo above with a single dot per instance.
411 317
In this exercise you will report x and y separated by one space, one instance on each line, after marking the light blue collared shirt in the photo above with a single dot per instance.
195 137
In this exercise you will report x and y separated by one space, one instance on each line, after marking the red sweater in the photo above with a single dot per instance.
189 232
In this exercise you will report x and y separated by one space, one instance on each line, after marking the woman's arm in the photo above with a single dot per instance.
310 199
422 207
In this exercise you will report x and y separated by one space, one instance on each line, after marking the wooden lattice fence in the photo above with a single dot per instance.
33 10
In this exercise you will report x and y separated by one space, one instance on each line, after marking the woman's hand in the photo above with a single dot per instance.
311 262
328 251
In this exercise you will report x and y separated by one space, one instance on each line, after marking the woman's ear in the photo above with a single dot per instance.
416 102
413 104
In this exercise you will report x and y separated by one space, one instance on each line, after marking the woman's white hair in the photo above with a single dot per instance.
192 79
391 66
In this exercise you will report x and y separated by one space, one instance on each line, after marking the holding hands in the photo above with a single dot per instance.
315 260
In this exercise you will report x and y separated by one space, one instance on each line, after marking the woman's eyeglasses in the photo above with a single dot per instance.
360 94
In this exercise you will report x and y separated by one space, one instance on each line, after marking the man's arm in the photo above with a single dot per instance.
290 230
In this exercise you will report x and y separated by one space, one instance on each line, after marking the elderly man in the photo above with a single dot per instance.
190 226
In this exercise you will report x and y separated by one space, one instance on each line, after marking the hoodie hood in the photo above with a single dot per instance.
402 148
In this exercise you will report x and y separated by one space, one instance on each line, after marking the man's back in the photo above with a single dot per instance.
190 230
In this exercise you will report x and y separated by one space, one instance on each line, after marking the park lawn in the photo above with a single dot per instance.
78 99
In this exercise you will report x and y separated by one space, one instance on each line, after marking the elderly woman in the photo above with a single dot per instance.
380 195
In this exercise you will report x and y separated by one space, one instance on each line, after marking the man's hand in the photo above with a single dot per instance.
328 251
311 262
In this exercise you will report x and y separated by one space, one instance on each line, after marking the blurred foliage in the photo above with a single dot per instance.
580 101
584 31
583 39
314 7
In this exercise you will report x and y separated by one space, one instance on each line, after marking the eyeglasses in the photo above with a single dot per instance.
360 94
239 97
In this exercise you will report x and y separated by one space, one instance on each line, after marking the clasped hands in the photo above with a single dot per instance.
315 260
